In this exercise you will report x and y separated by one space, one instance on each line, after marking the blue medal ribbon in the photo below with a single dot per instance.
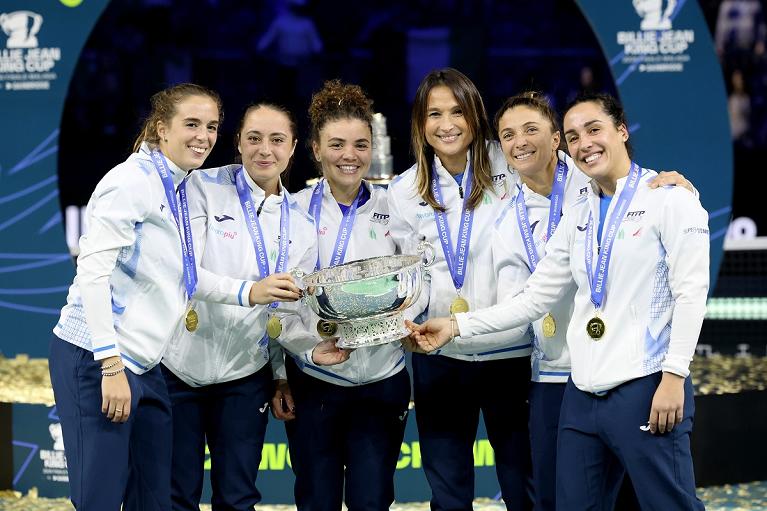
456 259
344 229
187 243
555 214
256 234
598 282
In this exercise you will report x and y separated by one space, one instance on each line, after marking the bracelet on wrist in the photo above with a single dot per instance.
113 373
110 366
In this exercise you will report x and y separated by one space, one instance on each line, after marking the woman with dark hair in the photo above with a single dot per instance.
451 197
247 228
349 418
628 403
136 275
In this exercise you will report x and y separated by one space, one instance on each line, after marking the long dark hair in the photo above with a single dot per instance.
469 100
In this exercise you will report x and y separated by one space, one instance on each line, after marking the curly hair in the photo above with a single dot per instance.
337 100
164 108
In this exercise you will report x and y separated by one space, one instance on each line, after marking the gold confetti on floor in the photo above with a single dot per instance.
26 380
736 497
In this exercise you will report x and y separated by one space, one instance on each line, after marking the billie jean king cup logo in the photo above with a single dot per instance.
21 27
654 17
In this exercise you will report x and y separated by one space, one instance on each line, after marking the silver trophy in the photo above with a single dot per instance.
362 301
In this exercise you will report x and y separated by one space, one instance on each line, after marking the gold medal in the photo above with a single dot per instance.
273 327
459 305
191 320
326 328
549 325
595 328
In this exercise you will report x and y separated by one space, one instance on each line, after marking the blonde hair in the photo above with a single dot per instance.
164 108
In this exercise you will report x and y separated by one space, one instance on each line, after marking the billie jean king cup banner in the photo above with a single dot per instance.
40 462
40 44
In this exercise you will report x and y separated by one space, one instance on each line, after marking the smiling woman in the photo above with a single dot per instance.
249 231
350 418
123 306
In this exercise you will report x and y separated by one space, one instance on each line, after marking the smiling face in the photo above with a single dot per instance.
191 133
596 144
344 151
266 143
446 128
528 139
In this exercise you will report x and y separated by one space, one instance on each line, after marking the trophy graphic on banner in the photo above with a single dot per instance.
654 16
16 25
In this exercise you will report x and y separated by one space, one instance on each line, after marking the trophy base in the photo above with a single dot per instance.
371 331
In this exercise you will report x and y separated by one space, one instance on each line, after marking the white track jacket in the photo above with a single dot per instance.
412 219
128 296
229 342
655 294
369 238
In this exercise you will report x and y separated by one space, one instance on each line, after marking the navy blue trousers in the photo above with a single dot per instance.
110 464
346 439
232 416
545 402
449 395
600 434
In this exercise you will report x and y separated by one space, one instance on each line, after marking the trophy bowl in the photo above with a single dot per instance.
366 298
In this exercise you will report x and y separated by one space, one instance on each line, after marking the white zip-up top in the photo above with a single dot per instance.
229 342
128 296
550 359
412 219
369 238
655 295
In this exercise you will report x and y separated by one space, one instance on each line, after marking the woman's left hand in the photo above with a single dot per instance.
283 407
667 407
671 177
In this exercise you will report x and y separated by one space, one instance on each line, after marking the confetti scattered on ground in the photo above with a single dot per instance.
730 497
26 380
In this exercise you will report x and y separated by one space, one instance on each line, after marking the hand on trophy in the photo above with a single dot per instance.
434 333
283 407
278 287
410 344
326 353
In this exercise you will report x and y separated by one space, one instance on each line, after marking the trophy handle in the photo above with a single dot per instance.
426 251
298 276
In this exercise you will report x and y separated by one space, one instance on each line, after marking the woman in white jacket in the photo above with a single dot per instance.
629 401
451 197
135 276
349 418
250 230
549 184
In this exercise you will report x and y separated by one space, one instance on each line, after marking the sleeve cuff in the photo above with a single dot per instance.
464 328
105 351
306 356
279 372
676 365
243 294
